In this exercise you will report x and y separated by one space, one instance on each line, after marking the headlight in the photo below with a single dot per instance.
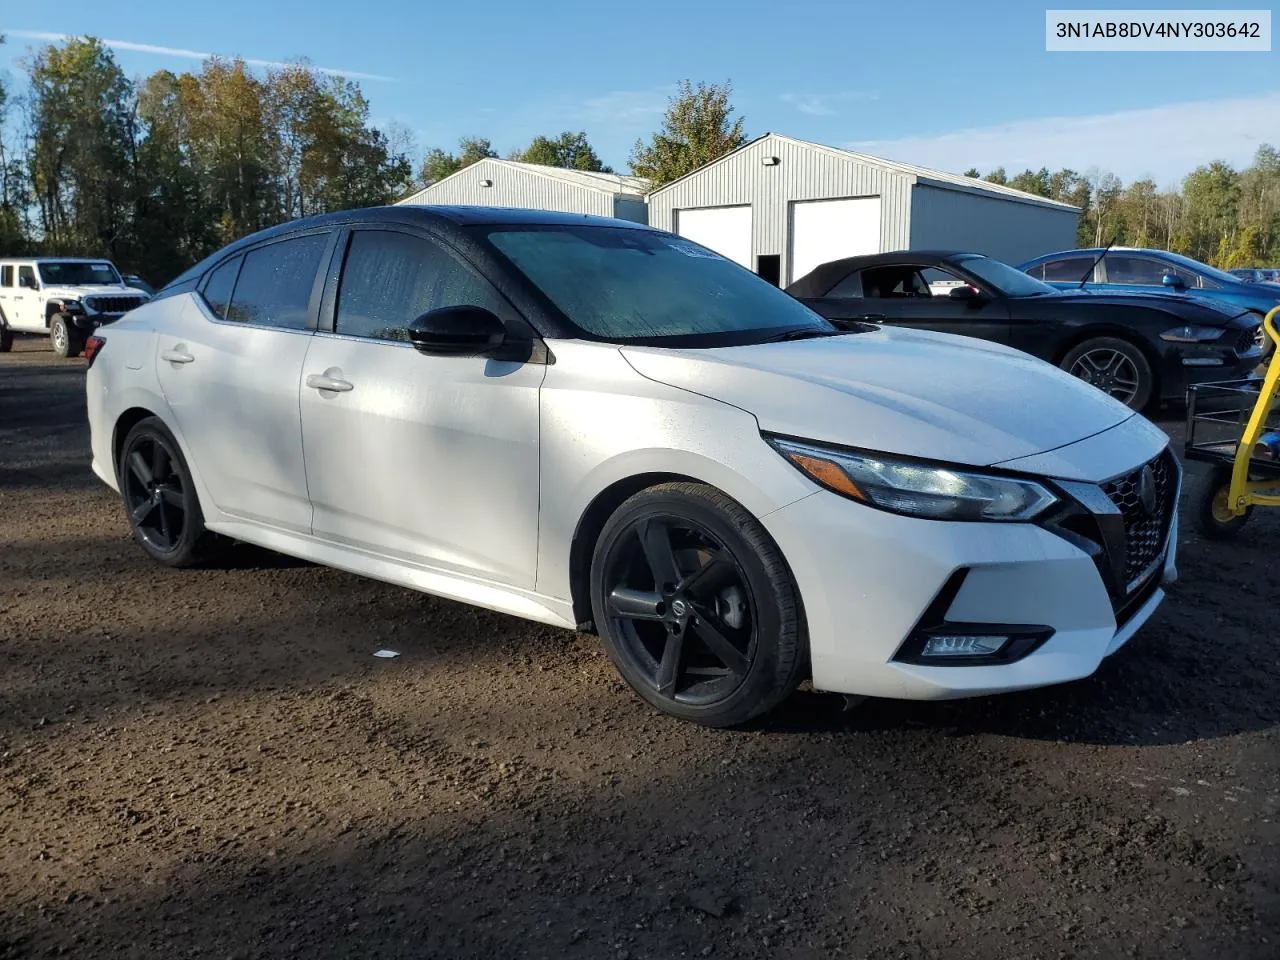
1192 334
72 306
917 489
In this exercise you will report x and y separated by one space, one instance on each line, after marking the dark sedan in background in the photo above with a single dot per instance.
1141 349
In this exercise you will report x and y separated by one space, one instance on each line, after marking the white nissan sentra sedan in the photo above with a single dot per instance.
602 426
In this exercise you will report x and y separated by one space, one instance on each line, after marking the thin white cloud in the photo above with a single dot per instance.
1164 143
194 54
825 104
625 108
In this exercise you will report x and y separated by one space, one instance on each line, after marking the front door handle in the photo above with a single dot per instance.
176 355
318 381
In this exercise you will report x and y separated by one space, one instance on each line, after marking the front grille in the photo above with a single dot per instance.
1146 514
113 304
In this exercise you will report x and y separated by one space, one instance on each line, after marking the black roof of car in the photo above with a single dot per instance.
822 278
426 215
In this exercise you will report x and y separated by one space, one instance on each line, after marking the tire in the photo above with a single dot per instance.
6 339
1116 367
160 501
715 636
64 337
1212 519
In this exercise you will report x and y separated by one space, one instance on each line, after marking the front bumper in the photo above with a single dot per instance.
869 582
1183 367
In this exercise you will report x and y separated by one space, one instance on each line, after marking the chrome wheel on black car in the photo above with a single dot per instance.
1114 366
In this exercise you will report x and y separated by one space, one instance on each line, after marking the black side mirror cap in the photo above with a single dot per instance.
461 331
964 292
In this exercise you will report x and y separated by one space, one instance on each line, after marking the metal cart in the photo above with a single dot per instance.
1232 426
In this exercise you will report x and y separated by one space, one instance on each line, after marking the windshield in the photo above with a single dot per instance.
1007 280
77 273
638 286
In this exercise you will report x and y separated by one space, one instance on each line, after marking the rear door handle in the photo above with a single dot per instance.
317 381
176 355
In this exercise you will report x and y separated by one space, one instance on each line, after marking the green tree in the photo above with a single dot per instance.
698 127
1030 181
571 150
997 176
81 158
437 164
14 196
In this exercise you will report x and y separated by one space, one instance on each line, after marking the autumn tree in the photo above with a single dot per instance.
698 127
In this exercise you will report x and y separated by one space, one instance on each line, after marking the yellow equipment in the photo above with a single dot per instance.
1232 426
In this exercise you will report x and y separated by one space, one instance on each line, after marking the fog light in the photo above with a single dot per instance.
963 645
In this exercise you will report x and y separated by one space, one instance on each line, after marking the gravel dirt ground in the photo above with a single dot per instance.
211 763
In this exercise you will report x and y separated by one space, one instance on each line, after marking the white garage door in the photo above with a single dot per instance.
825 230
726 230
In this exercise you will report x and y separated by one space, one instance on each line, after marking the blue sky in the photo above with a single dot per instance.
931 83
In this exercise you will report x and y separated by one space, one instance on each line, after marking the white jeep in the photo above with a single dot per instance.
63 298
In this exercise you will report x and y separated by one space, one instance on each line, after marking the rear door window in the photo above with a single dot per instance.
275 283
1069 270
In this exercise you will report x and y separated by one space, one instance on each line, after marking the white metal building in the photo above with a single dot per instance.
781 207
509 183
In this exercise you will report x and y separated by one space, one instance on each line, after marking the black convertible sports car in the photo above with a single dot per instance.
1139 348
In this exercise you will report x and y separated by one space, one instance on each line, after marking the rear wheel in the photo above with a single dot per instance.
1115 367
6 337
696 606
1213 518
159 498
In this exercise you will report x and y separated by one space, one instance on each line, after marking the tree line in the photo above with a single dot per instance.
158 172
1219 215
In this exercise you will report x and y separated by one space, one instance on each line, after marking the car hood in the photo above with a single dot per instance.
1207 309
91 289
894 390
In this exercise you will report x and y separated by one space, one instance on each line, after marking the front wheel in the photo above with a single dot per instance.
1213 518
64 337
696 607
1115 367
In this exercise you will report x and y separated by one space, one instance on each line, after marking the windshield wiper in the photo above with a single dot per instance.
802 333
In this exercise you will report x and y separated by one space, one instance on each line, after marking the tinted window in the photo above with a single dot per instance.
274 286
26 274
1007 280
1070 270
626 285
6 276
1121 269
217 289
390 279
850 288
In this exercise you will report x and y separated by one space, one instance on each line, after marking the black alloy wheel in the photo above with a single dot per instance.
696 607
159 498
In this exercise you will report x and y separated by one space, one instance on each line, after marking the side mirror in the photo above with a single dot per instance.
963 292
1172 280
29 282
462 331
